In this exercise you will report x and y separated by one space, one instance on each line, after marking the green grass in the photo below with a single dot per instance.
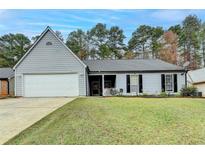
121 120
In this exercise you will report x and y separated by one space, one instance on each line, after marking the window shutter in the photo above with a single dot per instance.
128 83
140 84
175 83
163 82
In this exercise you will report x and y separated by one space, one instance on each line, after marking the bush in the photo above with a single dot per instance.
114 92
189 91
163 94
144 94
177 94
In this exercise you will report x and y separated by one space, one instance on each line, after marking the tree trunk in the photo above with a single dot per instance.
143 51
203 52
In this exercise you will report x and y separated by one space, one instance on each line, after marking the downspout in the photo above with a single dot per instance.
8 87
186 72
103 80
15 94
86 72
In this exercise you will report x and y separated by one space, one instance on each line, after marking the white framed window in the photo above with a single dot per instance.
134 80
169 82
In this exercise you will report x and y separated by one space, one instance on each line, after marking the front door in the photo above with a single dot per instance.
95 88
95 85
4 88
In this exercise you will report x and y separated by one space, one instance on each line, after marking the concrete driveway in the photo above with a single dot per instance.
16 114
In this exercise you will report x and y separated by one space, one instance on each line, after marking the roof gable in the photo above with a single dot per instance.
48 29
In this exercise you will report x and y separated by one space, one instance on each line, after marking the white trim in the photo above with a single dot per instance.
115 74
50 73
15 82
37 41
190 78
22 84
172 82
137 92
19 76
86 77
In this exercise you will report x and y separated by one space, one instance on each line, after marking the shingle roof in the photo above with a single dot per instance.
197 76
141 65
6 73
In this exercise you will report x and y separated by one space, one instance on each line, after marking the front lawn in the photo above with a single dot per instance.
121 120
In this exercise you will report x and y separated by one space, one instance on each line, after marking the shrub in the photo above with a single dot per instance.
189 91
144 94
114 92
177 94
163 94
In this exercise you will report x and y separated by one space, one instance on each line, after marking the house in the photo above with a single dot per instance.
131 77
50 68
6 82
197 79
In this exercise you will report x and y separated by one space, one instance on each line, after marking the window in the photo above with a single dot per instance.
169 82
132 83
108 84
109 81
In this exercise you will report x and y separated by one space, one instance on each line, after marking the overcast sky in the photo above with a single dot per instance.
33 22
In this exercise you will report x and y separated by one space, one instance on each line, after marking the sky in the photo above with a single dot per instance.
33 22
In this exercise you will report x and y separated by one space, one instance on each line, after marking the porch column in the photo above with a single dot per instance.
103 85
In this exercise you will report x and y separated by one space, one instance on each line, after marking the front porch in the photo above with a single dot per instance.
110 84
101 85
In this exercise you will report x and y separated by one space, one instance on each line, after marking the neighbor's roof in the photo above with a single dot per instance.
6 73
196 76
140 65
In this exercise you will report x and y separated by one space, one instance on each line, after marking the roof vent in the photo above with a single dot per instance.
48 43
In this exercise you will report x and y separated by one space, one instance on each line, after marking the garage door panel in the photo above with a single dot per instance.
51 85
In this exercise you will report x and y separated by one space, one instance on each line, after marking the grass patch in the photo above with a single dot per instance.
118 120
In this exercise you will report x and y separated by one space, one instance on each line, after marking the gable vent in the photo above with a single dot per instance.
48 43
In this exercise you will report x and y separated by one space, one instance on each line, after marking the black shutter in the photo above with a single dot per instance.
128 83
175 83
140 84
163 82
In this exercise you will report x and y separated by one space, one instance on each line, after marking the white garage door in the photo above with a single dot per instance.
51 85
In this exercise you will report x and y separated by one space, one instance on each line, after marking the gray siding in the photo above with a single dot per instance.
11 86
44 59
151 81
18 85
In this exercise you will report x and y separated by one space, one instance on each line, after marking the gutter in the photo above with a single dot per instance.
201 82
148 71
